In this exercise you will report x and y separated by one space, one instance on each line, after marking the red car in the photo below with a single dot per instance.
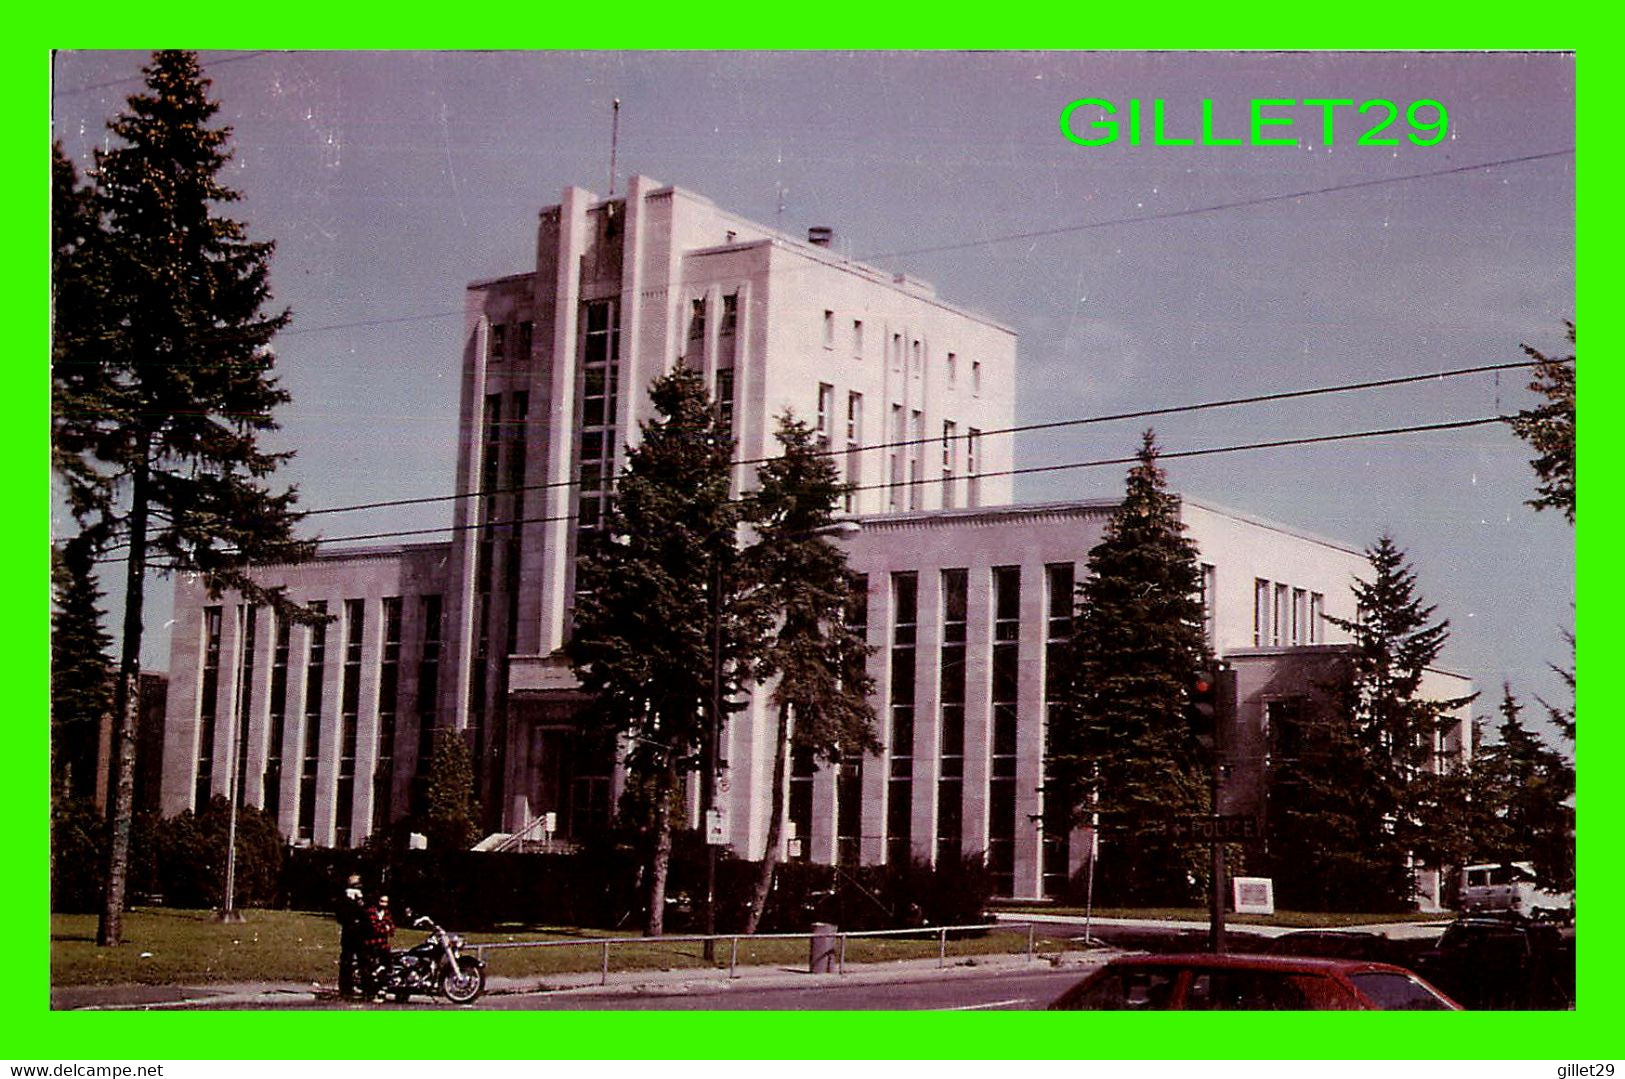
1200 982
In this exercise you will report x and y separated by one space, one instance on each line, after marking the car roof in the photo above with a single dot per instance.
1289 964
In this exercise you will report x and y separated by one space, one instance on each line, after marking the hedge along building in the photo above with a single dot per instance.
330 727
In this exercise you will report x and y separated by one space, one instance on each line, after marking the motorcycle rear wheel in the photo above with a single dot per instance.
466 984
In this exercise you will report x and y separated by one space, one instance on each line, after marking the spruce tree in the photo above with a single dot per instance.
822 690
162 383
659 611
1393 727
1530 788
1124 736
81 670
1549 429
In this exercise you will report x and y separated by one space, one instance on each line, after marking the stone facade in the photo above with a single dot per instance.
965 592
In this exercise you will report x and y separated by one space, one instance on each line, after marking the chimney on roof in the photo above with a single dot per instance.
820 235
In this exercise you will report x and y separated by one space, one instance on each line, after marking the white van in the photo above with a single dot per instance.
1509 886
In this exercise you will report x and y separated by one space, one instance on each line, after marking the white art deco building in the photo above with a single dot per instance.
328 728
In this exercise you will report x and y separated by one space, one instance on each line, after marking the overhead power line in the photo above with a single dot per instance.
1448 425
1263 398
1035 234
1233 204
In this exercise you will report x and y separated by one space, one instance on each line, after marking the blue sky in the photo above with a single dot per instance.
390 180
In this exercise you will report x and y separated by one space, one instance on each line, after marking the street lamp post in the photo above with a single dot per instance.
228 908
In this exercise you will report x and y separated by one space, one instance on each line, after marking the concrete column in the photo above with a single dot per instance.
1029 861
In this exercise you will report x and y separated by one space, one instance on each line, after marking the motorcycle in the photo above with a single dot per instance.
438 965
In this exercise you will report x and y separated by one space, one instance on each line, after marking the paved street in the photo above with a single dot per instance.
1009 982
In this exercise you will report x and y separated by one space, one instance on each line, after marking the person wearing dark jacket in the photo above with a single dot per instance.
352 916
380 927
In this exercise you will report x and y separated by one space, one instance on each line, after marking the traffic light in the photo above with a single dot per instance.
1202 705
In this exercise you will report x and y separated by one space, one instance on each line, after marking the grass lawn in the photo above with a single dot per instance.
188 947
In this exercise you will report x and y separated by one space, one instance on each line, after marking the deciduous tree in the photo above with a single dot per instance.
662 629
451 814
821 692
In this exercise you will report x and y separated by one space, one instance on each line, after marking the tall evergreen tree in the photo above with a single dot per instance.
1530 787
162 384
660 613
1549 429
81 670
1124 736
822 688
1394 728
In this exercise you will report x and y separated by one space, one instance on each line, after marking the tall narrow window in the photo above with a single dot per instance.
976 378
1001 795
389 674
1279 634
522 347
696 319
730 314
428 698
894 457
849 769
916 358
1300 616
725 398
245 694
829 329
208 709
916 450
1261 612
1317 617
857 339
950 452
600 371
973 459
1056 819
1210 606
951 726
826 415
896 357
311 740
854 456
278 714
900 739
499 342
952 364
349 719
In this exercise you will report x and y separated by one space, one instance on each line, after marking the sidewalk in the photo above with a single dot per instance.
1392 930
285 995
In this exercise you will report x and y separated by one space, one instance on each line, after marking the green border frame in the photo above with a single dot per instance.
36 1033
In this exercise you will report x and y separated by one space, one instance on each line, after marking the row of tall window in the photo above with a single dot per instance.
317 729
901 728
1285 615
906 455
903 351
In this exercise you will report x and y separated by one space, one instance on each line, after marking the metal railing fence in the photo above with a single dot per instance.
605 944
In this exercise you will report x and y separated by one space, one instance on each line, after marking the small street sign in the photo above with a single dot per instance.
1209 829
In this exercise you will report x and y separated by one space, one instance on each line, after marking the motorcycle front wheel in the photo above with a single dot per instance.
465 984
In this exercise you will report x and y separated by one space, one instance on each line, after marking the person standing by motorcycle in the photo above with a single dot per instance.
380 927
353 931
